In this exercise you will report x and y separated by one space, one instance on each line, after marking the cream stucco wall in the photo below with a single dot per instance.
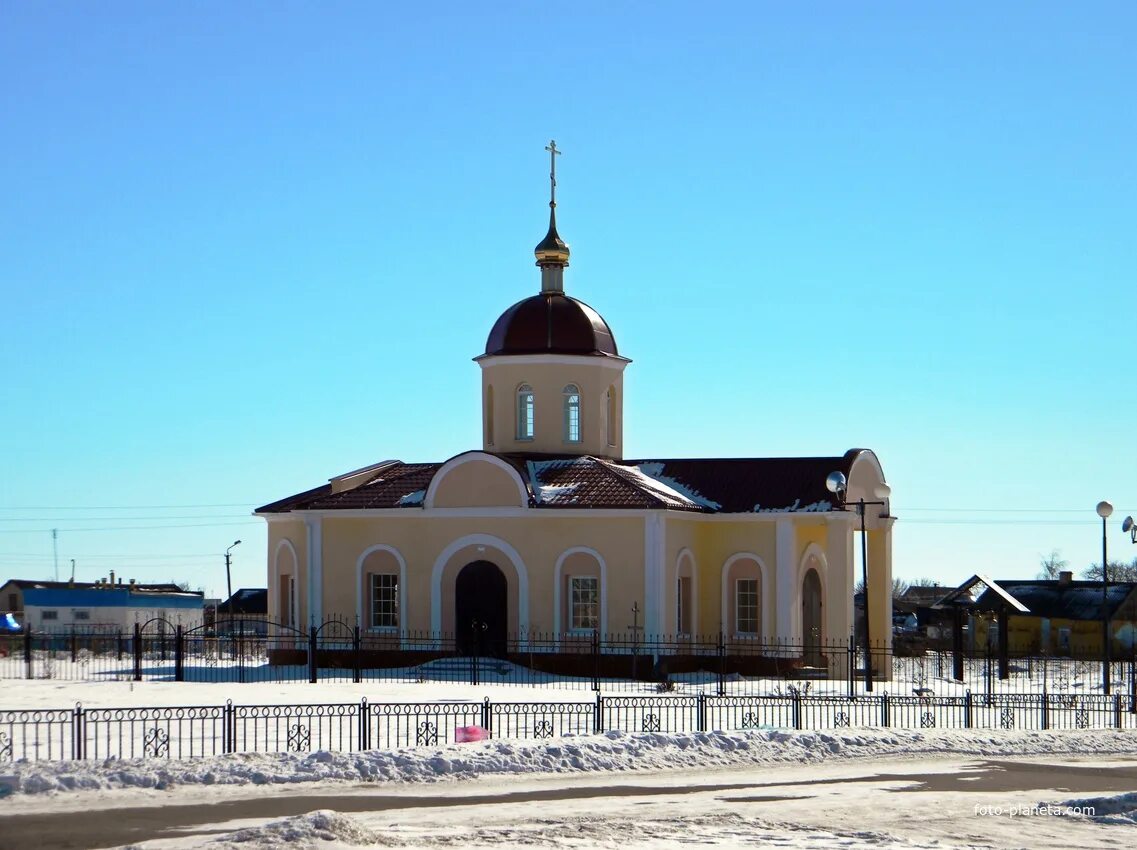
538 541
477 483
548 375
287 548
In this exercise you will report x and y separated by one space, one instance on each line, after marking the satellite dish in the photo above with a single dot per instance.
1127 524
836 482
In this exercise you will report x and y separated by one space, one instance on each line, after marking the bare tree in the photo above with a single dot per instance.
925 582
899 586
1118 571
1051 565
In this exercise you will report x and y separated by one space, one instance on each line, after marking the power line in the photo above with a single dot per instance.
119 518
88 557
130 527
906 508
118 507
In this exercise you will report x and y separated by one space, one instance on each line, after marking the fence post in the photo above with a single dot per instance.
179 654
118 644
228 734
852 666
474 659
1132 687
701 714
28 672
885 711
78 734
487 717
364 725
598 714
1117 710
312 665
74 646
967 709
990 672
596 660
1133 680
357 659
1045 710
722 664
137 652
796 708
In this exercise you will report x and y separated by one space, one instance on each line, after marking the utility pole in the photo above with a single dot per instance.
55 551
73 571
228 577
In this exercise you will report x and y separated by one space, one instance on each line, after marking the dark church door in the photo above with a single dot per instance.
481 604
811 618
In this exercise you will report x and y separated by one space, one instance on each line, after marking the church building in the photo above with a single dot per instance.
550 528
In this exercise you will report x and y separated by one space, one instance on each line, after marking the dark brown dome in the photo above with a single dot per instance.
551 323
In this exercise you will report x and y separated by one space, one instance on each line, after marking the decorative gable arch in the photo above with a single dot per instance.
476 480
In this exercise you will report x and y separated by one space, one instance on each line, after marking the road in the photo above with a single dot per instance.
900 802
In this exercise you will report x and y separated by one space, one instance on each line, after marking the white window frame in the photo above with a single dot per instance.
526 413
49 615
373 580
595 604
81 615
571 417
738 630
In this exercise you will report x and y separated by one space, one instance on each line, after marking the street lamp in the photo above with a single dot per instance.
228 577
1105 509
837 484
1130 527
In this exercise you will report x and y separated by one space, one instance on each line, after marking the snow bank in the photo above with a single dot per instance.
305 830
1118 809
612 751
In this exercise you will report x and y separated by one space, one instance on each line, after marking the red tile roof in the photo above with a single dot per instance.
707 485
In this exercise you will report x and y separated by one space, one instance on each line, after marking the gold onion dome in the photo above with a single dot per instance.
552 250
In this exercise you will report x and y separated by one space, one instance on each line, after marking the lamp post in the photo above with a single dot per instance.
837 484
228 576
1105 509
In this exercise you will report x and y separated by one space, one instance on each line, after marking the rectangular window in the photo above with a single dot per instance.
746 606
525 423
572 415
584 603
82 615
49 615
384 601
683 612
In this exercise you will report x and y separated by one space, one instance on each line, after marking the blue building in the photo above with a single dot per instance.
101 605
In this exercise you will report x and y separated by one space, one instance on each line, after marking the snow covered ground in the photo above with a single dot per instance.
851 788
795 790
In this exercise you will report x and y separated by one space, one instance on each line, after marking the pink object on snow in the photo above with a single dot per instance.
464 734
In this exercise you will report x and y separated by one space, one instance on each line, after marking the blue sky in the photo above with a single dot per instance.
244 247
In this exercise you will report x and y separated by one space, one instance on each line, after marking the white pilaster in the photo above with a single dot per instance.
839 555
315 570
654 572
789 593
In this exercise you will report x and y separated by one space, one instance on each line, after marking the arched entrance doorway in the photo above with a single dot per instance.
481 609
811 618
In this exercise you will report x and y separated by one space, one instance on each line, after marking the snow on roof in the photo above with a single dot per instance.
545 493
414 498
797 507
649 476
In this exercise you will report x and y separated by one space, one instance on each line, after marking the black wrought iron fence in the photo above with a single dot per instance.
242 651
196 731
